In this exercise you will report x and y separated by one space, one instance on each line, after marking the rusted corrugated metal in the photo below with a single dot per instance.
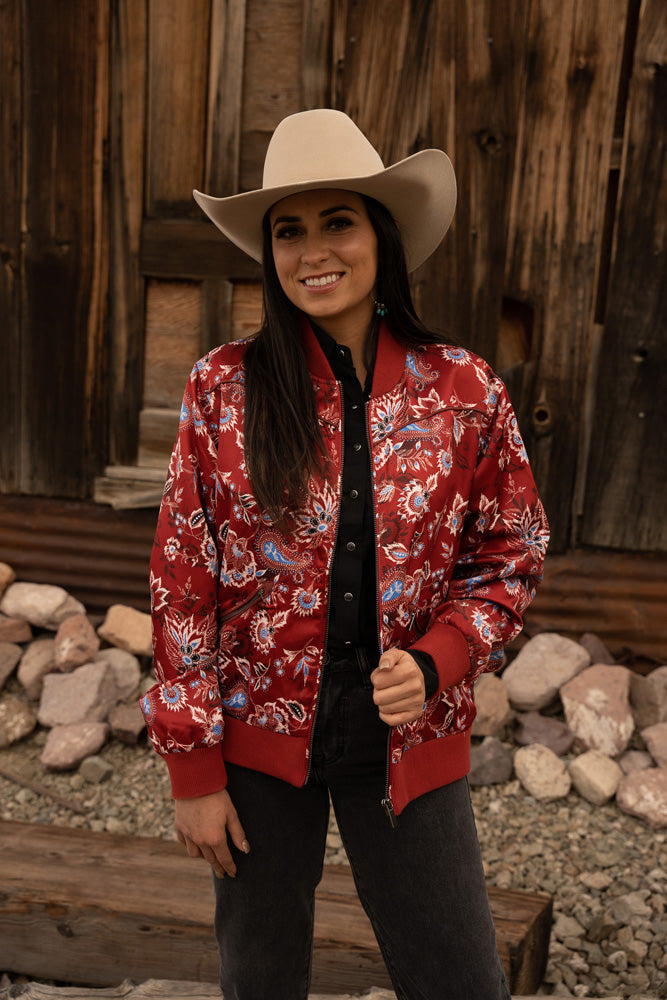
97 554
622 597
101 556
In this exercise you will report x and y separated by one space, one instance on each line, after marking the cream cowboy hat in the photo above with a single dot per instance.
325 149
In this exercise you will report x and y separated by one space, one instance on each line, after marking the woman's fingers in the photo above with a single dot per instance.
399 690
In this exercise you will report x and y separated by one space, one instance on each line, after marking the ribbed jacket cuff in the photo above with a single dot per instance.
197 772
449 650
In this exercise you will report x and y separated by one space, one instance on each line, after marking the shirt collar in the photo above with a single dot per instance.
390 358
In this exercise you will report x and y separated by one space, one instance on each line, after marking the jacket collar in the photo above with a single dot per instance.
389 361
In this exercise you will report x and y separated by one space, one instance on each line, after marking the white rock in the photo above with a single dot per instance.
595 776
655 738
37 661
128 629
41 604
86 695
644 794
76 643
67 746
493 707
541 772
597 708
648 696
545 663
16 721
126 669
10 654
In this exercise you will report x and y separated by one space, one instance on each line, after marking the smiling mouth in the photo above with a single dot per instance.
323 280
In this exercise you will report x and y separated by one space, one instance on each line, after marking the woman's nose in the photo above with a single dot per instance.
314 249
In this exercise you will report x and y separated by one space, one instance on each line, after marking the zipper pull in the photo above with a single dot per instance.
391 815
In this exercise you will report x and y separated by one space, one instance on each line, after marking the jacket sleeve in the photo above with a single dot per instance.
183 711
501 551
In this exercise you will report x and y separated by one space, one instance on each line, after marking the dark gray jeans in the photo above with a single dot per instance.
421 884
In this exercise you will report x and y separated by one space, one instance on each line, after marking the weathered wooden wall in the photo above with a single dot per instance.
553 114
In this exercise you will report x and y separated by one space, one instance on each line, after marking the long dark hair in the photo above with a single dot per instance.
283 443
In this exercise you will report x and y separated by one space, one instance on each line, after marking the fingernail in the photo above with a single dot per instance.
245 847
383 665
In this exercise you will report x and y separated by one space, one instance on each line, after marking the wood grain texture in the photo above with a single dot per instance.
271 79
316 54
226 61
11 200
89 903
63 290
178 35
184 248
173 332
627 481
128 42
570 84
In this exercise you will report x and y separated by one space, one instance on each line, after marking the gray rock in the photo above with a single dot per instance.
602 926
541 772
597 708
76 643
565 927
87 694
37 661
635 760
128 629
14 630
595 776
66 746
631 904
655 738
644 794
648 697
490 763
16 721
127 723
10 654
531 727
126 669
545 663
596 649
95 770
41 604
493 707
7 576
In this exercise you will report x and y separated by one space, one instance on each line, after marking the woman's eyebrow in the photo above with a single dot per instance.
323 214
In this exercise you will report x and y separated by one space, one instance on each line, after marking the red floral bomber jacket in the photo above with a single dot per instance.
240 610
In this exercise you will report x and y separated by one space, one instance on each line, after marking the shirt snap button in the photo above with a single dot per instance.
348 596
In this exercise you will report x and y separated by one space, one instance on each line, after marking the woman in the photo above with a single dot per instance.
349 534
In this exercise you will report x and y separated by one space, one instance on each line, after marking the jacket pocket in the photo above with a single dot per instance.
248 603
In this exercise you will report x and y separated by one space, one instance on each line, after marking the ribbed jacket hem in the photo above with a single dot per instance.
428 766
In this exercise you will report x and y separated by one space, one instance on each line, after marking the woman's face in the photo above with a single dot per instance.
325 253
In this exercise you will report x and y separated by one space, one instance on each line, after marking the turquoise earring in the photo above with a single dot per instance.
380 308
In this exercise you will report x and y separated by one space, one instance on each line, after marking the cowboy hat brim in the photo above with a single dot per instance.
419 191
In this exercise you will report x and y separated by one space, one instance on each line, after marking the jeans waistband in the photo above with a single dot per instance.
356 659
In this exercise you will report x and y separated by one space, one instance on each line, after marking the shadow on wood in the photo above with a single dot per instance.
97 908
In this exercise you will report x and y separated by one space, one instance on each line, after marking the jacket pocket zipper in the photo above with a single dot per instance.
240 609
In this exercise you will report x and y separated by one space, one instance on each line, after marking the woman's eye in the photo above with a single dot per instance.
286 233
338 224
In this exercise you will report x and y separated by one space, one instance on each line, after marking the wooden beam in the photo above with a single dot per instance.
87 907
129 27
316 54
11 202
183 248
626 484
571 70
63 289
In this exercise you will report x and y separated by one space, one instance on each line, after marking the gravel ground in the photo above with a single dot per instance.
607 871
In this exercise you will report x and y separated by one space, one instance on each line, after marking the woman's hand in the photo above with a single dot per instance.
202 825
400 691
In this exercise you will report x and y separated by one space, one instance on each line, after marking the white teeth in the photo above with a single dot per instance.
327 279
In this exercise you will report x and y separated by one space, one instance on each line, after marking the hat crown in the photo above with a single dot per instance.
318 145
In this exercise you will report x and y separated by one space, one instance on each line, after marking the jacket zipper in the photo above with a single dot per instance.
386 802
263 590
335 542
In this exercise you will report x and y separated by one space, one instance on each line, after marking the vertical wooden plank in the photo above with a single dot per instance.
316 54
223 146
565 137
271 79
475 99
126 199
177 85
627 481
11 402
226 61
65 96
